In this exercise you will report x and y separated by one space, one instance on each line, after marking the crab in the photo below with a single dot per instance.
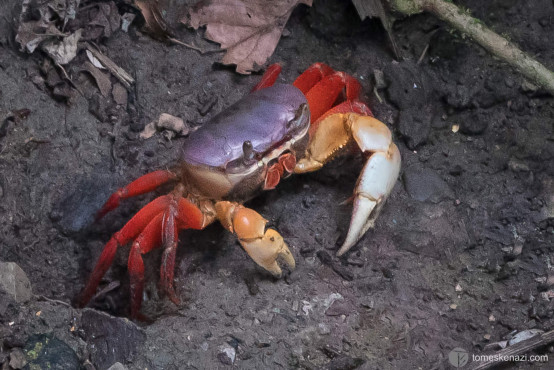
271 133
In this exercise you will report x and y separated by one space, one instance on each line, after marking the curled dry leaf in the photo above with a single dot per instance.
155 24
63 51
247 29
102 79
43 20
166 122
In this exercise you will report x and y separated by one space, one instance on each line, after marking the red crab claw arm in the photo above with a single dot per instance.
265 247
142 185
380 171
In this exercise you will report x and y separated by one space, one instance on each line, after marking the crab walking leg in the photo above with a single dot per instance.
122 237
378 175
269 77
142 185
265 247
150 238
312 76
181 214
323 95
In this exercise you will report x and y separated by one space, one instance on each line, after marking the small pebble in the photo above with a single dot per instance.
17 359
323 329
226 355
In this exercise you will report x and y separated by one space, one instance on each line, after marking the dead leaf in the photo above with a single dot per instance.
104 20
43 20
63 51
119 94
155 24
174 125
95 62
247 29
126 20
102 79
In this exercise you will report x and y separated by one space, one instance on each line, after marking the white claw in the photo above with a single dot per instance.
374 185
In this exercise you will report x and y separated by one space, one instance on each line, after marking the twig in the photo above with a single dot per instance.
423 54
179 42
484 36
515 350
68 78
117 71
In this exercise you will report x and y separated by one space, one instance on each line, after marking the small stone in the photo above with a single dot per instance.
226 354
517 165
295 305
118 366
17 359
458 288
492 318
338 308
473 125
424 184
524 335
367 303
379 78
323 329
14 282
204 346
414 130
487 337
119 94
45 351
453 306
528 87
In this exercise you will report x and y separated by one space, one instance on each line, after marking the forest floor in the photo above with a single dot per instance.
460 256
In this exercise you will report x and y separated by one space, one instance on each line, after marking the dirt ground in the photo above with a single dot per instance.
459 257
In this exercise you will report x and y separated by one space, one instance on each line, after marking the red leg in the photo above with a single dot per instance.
170 238
181 214
269 77
312 76
323 95
122 237
142 185
148 239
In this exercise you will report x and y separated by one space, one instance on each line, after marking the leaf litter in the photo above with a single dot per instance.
248 30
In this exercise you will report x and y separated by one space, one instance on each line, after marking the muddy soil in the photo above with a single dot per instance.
460 256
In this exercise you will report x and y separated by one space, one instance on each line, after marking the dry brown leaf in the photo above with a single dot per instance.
155 24
247 29
174 125
63 51
102 79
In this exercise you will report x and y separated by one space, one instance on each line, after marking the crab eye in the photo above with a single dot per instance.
301 117
248 151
